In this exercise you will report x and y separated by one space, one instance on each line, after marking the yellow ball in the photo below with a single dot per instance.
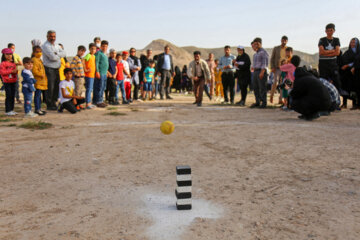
167 127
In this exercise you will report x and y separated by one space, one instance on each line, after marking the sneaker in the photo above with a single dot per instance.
255 105
30 115
15 113
139 100
90 106
262 106
198 104
168 97
18 101
125 102
101 105
9 113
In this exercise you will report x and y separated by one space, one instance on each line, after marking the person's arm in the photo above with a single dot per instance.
50 53
263 66
61 52
207 71
97 64
63 93
116 71
139 67
189 71
272 60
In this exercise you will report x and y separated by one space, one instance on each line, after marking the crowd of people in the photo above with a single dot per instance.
97 78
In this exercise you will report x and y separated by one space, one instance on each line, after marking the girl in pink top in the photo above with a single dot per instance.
289 68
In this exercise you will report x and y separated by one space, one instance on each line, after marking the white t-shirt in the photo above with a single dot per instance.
127 68
69 90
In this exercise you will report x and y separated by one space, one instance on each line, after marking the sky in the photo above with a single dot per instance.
201 23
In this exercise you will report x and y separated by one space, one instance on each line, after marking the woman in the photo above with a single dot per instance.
347 62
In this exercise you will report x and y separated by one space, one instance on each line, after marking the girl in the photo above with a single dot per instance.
41 80
8 73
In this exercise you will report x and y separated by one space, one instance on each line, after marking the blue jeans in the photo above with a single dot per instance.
120 84
147 86
27 99
99 89
89 85
37 99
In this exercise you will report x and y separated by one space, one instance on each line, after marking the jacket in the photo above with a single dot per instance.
6 69
39 74
243 71
160 63
275 57
28 81
204 67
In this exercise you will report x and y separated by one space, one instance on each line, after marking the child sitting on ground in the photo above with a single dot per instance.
148 80
28 86
68 98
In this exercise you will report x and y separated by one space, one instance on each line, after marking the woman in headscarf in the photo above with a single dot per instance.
347 62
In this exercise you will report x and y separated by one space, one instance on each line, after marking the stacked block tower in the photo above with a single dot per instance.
183 189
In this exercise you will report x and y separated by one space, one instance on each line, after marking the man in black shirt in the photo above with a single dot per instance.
243 73
329 49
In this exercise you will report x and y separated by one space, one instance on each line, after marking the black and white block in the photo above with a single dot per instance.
183 189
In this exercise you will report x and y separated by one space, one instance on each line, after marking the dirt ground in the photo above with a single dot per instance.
257 174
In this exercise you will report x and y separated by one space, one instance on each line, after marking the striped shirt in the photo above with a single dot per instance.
77 67
334 94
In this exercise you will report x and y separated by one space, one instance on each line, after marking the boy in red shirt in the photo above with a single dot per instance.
120 79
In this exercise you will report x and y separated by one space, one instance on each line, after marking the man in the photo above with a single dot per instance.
329 49
165 68
211 63
199 72
309 95
18 62
52 54
97 42
144 60
226 64
278 54
260 63
243 73
135 66
102 66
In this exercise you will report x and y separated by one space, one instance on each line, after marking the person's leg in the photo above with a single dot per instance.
196 90
17 93
89 89
122 89
243 88
256 85
263 89
167 84
117 91
8 96
27 101
37 100
136 91
162 84
51 83
69 105
96 90
232 87
201 90
103 80
212 86
128 90
224 79
55 93
207 91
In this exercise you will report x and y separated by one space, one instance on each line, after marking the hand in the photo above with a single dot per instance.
344 67
195 78
287 87
87 70
261 75
14 71
97 75
173 74
353 71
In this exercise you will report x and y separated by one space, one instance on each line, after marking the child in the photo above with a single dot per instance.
148 80
28 86
120 79
111 79
79 73
68 98
8 74
287 70
288 54
127 81
89 68
218 83
41 84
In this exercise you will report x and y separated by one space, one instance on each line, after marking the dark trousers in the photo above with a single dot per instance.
110 93
199 89
329 70
70 106
165 83
228 81
136 91
17 95
260 88
309 105
52 93
10 96
243 83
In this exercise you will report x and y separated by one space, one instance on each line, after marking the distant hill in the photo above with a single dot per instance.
184 55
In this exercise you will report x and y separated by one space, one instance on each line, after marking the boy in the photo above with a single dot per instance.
28 86
89 68
120 79
68 99
218 84
127 80
41 84
288 54
329 49
79 73
148 80
102 66
111 79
